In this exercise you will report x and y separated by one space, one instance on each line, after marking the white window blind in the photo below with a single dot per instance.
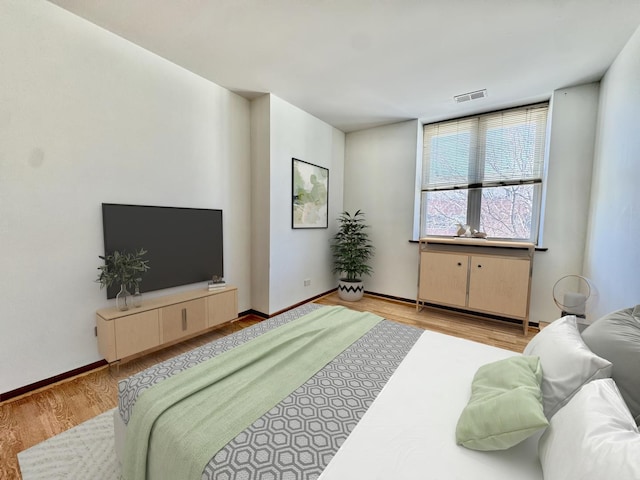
504 148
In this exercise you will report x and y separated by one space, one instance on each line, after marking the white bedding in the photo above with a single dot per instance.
408 433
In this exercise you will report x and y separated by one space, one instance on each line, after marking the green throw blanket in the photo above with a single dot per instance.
203 408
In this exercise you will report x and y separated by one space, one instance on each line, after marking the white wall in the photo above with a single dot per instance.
612 258
87 117
380 176
296 255
568 187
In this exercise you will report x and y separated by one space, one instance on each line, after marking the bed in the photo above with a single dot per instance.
386 407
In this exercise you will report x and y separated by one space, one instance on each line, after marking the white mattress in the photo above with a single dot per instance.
408 433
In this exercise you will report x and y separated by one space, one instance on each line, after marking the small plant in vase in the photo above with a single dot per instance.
124 269
351 251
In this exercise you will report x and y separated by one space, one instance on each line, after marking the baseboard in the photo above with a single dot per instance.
49 381
315 297
311 299
251 311
391 297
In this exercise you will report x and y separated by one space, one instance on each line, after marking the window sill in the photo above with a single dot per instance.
538 249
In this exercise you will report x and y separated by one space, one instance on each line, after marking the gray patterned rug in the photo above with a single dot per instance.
83 452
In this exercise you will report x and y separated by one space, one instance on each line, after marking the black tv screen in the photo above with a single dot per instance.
184 245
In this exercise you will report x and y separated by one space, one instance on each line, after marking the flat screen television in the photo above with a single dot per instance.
184 245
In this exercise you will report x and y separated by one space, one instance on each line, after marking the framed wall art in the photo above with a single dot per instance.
310 205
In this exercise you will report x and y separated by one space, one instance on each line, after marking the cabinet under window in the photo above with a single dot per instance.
478 276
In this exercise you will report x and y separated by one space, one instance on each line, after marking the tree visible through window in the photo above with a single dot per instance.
485 171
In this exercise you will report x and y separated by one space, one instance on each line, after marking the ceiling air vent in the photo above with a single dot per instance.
465 97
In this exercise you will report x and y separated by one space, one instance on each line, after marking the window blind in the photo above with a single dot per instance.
496 149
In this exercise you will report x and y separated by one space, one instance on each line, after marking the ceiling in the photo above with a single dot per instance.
362 63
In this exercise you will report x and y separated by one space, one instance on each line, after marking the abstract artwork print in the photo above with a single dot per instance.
310 195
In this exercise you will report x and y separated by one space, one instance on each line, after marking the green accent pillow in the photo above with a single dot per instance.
505 406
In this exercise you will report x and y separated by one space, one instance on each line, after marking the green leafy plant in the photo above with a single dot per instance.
351 248
123 268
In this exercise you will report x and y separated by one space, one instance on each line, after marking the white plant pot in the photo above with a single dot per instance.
350 291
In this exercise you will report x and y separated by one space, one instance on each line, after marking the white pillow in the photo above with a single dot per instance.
593 437
567 363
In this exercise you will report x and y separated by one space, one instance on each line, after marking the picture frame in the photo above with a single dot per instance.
310 195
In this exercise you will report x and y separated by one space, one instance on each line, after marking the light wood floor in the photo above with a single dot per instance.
32 418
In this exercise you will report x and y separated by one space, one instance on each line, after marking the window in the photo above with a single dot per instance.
485 171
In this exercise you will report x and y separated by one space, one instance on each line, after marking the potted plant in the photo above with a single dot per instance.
351 251
124 269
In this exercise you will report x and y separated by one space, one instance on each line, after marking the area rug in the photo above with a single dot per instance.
83 452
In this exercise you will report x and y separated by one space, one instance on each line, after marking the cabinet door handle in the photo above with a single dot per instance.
479 266
459 264
184 319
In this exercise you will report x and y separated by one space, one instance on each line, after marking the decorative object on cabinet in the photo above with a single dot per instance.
216 282
477 276
123 268
468 232
137 298
123 298
310 204
351 250
463 230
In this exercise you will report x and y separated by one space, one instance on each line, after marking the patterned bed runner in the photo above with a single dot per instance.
178 425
